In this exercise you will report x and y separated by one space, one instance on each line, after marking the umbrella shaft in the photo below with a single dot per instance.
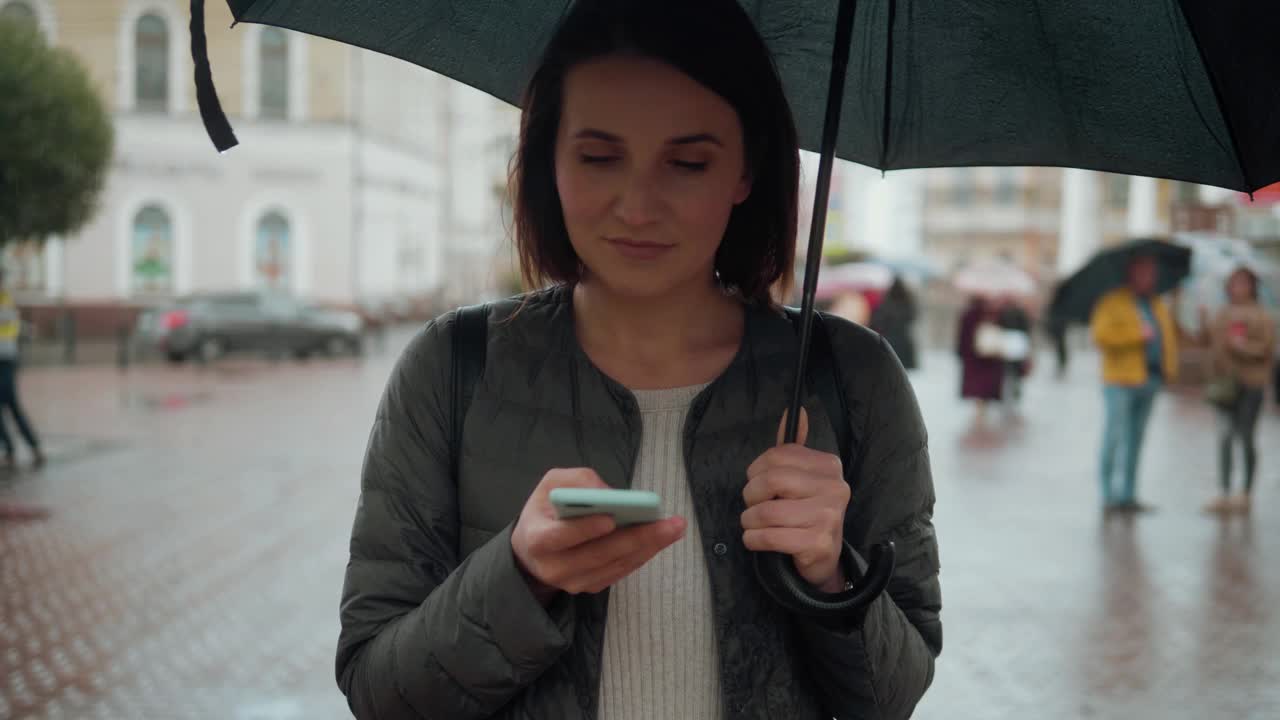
817 230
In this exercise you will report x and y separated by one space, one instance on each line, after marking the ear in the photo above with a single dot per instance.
743 190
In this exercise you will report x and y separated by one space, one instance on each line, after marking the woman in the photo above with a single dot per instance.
655 191
982 375
1243 341
1012 318
893 318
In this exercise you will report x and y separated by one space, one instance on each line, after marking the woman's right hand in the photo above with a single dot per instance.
585 554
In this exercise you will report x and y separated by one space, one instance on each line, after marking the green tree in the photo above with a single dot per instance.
55 138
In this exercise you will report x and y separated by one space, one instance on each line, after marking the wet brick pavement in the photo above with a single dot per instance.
192 562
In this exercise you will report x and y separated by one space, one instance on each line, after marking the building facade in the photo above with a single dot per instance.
1047 220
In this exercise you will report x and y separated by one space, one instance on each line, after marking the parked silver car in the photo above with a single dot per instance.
207 326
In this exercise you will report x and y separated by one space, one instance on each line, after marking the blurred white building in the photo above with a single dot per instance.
359 179
881 214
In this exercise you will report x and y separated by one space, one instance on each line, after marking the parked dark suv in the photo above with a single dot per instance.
209 325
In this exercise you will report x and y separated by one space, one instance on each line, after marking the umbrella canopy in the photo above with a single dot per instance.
1075 297
853 277
1180 89
994 278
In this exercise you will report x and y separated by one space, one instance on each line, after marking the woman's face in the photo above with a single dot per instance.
1240 288
649 166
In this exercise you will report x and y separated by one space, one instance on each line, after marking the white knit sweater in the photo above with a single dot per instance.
660 659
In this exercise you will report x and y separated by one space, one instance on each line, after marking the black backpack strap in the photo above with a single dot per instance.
470 343
823 376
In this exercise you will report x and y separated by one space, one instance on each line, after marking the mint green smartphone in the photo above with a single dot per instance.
628 507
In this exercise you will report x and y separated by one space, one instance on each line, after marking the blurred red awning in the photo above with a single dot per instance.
1269 195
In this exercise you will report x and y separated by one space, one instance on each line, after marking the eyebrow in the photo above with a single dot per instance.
593 134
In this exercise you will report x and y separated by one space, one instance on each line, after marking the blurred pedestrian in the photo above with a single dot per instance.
1243 339
656 185
1134 329
10 329
1056 328
894 318
978 346
1016 323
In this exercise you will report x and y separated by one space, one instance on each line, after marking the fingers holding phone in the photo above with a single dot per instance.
587 553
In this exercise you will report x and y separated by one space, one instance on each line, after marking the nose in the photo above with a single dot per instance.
640 201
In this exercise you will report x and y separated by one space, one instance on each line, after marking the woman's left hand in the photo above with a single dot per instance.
796 499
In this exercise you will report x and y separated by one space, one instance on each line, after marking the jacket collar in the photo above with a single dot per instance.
753 390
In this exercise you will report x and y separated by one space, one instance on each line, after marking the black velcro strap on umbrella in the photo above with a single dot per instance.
215 120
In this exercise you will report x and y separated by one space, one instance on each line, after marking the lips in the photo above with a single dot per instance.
639 249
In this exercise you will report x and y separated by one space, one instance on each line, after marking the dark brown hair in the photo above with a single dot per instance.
715 43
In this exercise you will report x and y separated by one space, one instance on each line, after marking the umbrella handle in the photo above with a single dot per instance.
777 574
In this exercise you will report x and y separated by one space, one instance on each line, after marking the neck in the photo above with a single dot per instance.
658 333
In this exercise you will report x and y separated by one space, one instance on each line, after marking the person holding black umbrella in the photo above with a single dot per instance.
1134 329
656 188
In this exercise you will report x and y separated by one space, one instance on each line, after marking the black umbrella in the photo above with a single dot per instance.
1180 89
1075 296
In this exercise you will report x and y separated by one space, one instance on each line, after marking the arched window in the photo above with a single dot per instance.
273 253
273 61
151 264
151 59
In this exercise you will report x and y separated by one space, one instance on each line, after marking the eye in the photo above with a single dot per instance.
589 159
690 166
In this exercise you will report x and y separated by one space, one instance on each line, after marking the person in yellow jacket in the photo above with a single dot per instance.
10 328
1135 332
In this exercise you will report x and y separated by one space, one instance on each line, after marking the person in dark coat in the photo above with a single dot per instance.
1056 328
893 318
982 377
1013 317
